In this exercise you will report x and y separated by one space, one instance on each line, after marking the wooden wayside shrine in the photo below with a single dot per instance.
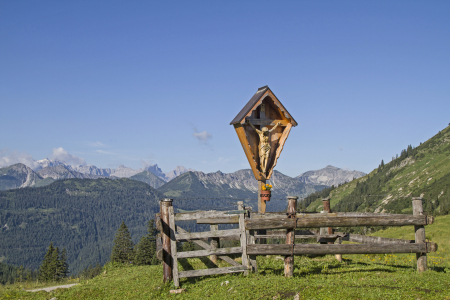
263 110
285 225
262 126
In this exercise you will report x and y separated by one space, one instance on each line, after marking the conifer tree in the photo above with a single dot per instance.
54 265
122 251
146 248
45 270
64 267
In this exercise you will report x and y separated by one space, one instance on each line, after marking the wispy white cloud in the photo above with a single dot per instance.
63 155
8 157
105 152
96 144
202 136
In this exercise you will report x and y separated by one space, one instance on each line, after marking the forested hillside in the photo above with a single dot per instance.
421 171
81 215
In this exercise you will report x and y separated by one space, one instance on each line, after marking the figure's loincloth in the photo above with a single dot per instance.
264 150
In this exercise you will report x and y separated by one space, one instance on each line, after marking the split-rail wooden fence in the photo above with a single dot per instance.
285 224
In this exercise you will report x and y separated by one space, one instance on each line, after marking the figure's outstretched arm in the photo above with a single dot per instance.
273 128
248 122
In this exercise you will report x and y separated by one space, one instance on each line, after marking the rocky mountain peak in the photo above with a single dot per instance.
329 176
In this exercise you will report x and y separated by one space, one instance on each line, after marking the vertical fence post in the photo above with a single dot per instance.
173 247
243 239
420 234
214 242
165 233
290 237
326 209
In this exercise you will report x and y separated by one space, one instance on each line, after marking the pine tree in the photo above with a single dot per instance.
64 267
45 270
146 248
122 251
55 265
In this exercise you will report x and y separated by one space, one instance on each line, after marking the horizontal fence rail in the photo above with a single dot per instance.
305 249
207 234
337 221
206 272
255 229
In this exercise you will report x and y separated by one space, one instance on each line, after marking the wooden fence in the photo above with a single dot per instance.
286 225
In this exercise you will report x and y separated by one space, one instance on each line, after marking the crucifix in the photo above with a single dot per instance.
263 126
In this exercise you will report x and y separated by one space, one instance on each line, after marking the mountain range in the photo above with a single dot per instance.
19 176
120 172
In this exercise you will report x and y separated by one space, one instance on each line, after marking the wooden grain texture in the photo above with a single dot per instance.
243 237
201 215
218 251
214 243
280 215
208 247
364 239
267 122
159 247
327 221
270 223
165 235
212 221
306 236
327 208
252 258
173 247
290 238
281 143
247 149
319 249
419 235
215 271
261 203
158 221
207 234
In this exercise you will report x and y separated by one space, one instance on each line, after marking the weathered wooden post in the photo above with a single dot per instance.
420 234
243 239
290 237
326 209
214 242
165 233
262 126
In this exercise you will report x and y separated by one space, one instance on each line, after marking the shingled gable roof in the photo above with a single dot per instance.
256 97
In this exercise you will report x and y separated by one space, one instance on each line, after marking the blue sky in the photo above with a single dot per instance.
136 82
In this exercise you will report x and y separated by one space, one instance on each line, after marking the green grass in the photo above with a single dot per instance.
384 276
358 277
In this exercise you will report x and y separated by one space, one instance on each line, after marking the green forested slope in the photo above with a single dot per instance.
81 215
421 171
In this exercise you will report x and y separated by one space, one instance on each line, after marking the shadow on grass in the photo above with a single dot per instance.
185 264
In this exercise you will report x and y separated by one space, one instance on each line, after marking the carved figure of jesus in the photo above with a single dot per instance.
264 145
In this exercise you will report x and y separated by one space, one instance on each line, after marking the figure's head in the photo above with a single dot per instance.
265 129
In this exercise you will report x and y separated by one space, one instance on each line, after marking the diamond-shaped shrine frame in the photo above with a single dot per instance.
263 110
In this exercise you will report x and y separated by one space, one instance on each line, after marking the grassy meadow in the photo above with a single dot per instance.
384 276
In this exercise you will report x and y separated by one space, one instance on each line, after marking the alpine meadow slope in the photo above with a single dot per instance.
422 171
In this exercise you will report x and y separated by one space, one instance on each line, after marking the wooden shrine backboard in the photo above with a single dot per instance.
263 110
